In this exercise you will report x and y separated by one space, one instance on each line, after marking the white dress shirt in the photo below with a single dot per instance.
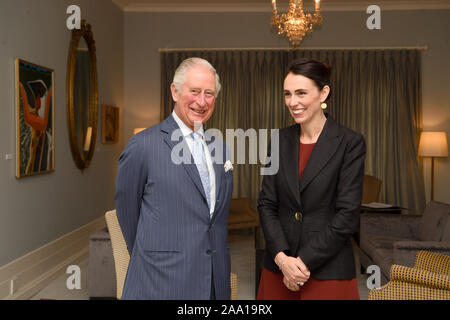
186 131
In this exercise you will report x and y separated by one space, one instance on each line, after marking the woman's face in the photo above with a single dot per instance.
303 97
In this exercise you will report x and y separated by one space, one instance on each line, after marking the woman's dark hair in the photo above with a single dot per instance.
315 70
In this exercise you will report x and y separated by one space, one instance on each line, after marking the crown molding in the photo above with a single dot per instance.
341 5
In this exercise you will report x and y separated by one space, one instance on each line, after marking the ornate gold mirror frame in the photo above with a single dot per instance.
82 155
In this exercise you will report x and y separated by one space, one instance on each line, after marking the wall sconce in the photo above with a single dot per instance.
433 144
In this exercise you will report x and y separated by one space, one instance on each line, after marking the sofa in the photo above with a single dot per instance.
387 239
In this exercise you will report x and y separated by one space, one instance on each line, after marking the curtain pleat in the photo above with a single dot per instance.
374 92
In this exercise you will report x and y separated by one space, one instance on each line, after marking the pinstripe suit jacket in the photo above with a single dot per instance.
174 245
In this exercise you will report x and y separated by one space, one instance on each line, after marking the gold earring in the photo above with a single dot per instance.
323 106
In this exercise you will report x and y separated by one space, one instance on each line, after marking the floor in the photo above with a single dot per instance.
242 263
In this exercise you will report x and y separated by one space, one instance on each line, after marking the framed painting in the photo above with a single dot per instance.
35 135
110 124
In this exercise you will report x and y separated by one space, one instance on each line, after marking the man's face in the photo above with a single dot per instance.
195 102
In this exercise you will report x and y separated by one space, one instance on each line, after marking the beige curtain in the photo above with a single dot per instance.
374 92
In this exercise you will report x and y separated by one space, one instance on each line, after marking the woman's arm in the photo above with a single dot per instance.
268 205
277 245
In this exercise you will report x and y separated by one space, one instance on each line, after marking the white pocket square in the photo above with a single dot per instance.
228 166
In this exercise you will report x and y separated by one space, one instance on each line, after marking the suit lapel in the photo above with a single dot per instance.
218 166
217 160
289 159
218 170
168 126
326 146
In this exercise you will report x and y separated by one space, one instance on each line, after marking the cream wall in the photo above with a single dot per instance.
146 32
39 209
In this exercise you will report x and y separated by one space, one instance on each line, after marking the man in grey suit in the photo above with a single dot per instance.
174 214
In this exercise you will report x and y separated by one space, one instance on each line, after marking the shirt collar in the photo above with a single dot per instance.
185 130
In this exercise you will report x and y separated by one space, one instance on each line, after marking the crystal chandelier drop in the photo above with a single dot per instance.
295 24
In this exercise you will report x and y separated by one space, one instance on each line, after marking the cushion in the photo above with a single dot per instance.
433 221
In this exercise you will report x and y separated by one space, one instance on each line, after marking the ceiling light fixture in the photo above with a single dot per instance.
295 24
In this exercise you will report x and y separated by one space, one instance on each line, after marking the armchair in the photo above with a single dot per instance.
429 279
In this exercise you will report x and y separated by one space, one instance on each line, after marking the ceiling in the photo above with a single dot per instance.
265 5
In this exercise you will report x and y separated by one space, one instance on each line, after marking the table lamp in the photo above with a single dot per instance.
137 130
433 144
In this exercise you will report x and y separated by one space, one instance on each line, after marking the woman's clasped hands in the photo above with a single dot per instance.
294 271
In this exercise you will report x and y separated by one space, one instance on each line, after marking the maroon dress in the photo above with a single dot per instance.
271 286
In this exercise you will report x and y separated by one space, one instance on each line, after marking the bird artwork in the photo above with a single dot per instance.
35 127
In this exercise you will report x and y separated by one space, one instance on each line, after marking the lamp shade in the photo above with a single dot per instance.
137 130
433 144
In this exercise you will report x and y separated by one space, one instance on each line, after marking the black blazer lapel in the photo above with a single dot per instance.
289 159
326 146
168 126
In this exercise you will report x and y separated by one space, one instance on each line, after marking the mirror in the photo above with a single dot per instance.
82 95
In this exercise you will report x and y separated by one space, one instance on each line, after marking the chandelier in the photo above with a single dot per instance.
295 24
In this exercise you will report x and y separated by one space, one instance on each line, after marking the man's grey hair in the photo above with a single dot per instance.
180 74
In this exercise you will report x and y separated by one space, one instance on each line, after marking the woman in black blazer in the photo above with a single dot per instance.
310 208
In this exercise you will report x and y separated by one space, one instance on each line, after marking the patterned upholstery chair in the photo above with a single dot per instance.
429 279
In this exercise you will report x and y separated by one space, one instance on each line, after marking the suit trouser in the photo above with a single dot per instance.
213 293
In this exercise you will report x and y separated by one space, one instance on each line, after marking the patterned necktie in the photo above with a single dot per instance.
198 154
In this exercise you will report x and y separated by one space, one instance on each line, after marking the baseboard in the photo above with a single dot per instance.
27 275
